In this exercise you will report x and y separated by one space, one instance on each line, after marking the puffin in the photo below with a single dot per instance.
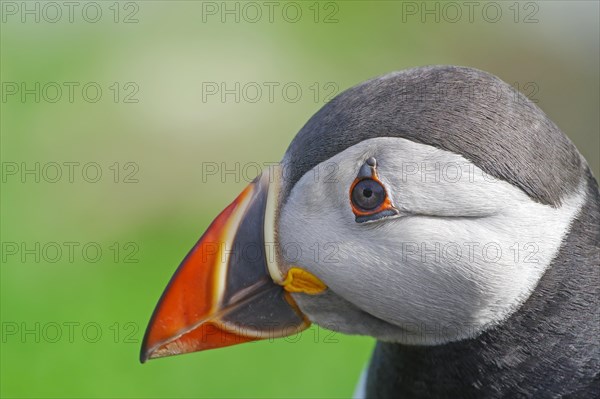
435 209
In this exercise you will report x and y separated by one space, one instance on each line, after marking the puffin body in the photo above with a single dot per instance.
547 349
435 209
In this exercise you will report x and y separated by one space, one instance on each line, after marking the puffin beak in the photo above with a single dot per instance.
228 289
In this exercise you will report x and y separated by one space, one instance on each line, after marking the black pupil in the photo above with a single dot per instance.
368 194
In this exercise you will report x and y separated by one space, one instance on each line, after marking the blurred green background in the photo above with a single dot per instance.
72 322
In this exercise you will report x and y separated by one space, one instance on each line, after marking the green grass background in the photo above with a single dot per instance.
171 131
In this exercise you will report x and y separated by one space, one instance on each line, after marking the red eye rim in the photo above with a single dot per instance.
386 205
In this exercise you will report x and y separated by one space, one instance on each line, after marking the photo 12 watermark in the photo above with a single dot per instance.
329 172
53 12
252 12
52 332
453 12
70 92
268 92
53 172
72 252
492 93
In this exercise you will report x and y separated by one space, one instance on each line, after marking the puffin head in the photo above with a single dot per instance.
421 207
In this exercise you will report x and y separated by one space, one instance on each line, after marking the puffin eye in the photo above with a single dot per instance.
368 194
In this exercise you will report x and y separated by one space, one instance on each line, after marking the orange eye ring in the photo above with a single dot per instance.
368 172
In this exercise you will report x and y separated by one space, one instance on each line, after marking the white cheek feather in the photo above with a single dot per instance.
464 254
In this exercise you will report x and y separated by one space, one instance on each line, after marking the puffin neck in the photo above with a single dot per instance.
549 346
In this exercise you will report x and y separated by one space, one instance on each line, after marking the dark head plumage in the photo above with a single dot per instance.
462 110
